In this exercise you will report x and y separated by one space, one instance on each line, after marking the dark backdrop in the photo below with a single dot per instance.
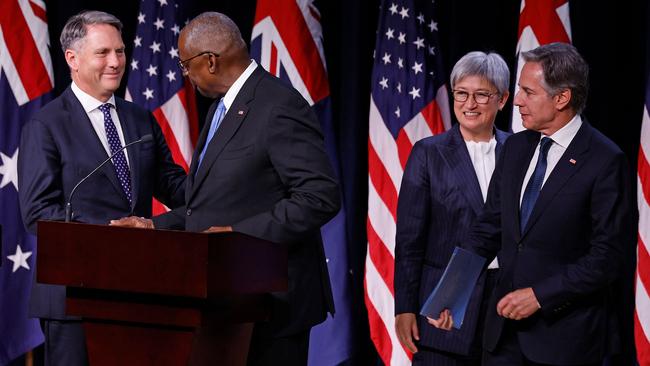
611 36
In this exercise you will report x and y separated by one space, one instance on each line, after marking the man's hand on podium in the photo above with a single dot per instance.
219 229
133 221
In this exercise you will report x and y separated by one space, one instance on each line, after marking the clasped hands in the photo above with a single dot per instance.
142 223
516 305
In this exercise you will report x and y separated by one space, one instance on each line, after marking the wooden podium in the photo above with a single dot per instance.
160 297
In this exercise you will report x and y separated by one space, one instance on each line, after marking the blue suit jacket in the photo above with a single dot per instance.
439 199
570 251
59 147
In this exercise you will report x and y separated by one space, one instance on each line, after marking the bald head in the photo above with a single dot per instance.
215 32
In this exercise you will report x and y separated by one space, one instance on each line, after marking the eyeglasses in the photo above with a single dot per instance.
183 63
479 97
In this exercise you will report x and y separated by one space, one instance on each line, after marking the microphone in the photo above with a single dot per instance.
68 206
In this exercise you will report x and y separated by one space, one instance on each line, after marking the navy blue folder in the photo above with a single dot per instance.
455 286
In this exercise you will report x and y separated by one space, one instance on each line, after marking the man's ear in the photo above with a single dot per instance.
72 59
212 64
562 99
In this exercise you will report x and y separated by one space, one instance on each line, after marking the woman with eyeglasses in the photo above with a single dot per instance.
443 189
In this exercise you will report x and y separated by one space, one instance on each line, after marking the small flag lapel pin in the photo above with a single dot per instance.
572 161
240 112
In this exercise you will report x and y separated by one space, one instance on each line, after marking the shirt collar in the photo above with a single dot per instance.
565 135
232 92
88 102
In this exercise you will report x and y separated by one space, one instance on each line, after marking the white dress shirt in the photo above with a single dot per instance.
91 106
234 89
483 156
561 140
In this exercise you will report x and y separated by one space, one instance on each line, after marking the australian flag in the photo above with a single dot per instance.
287 41
25 85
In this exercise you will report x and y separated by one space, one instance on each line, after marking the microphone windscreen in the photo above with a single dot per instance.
146 138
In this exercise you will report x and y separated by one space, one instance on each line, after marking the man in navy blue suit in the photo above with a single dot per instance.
71 136
557 213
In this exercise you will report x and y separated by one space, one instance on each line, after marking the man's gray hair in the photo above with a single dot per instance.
212 30
489 66
76 27
562 68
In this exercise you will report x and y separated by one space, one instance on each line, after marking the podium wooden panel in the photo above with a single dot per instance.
160 297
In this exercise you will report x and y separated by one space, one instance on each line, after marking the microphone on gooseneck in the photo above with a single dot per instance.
68 206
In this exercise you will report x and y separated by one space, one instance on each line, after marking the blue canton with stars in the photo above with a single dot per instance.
407 70
154 75
18 332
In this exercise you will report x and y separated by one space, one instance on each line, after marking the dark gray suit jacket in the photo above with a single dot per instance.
266 174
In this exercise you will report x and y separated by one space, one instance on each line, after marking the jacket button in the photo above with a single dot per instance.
520 247
189 212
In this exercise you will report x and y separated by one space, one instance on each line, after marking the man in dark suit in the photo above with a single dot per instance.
557 212
69 138
260 168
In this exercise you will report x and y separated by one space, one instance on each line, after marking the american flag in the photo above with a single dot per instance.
409 101
540 22
287 41
25 84
156 81
642 311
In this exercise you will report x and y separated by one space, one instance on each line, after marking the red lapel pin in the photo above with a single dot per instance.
572 161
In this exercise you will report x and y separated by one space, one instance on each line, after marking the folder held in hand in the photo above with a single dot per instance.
455 286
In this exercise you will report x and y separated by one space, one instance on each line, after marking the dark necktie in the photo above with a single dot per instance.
535 183
119 160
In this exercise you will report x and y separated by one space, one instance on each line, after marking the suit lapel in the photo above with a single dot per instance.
462 168
564 170
231 122
130 135
199 147
95 151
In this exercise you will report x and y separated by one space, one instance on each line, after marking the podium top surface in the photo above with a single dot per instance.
164 262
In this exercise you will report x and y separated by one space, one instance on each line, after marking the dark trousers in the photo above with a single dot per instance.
268 350
65 343
508 351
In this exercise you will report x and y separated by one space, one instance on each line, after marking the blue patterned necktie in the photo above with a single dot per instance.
119 160
216 121
535 183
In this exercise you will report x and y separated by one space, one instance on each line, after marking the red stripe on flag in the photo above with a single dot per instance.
381 181
381 257
378 332
38 11
542 17
273 65
23 50
642 345
188 99
432 115
296 36
170 138
643 168
157 208
404 147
